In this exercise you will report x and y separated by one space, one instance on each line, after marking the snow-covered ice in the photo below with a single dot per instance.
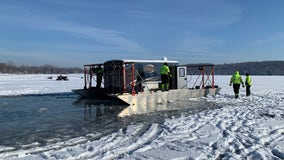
13 84
245 128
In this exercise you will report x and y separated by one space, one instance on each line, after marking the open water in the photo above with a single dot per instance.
38 120
51 118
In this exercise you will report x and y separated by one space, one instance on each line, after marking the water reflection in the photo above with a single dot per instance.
44 119
26 121
97 109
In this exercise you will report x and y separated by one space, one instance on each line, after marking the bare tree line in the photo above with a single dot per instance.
45 69
253 68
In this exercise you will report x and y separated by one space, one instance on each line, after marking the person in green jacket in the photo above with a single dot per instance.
248 83
237 80
165 72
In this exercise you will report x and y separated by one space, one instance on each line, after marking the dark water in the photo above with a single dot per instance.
54 118
51 118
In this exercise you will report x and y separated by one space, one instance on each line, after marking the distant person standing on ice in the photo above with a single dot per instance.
236 79
165 71
248 83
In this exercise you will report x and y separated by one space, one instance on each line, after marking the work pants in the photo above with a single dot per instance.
165 82
248 90
236 89
99 81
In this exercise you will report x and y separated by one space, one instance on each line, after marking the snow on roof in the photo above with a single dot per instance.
143 61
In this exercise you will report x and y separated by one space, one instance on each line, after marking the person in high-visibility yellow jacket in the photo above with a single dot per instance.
248 83
165 72
237 80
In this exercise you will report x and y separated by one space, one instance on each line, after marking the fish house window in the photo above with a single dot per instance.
181 72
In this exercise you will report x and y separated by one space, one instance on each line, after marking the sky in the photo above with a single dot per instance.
70 33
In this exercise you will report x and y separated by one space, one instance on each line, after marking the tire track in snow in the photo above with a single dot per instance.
237 130
123 145
245 139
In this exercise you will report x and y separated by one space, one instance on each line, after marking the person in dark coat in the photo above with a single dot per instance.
99 74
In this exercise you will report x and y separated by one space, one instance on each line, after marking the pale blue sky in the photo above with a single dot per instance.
76 32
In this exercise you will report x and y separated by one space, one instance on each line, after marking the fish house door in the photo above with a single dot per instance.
181 77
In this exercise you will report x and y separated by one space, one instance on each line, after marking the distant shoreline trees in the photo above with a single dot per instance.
45 69
254 68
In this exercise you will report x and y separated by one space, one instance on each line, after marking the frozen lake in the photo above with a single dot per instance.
51 118
41 119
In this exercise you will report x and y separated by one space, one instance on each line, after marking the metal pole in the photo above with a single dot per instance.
85 77
91 77
203 77
124 78
213 81
133 73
